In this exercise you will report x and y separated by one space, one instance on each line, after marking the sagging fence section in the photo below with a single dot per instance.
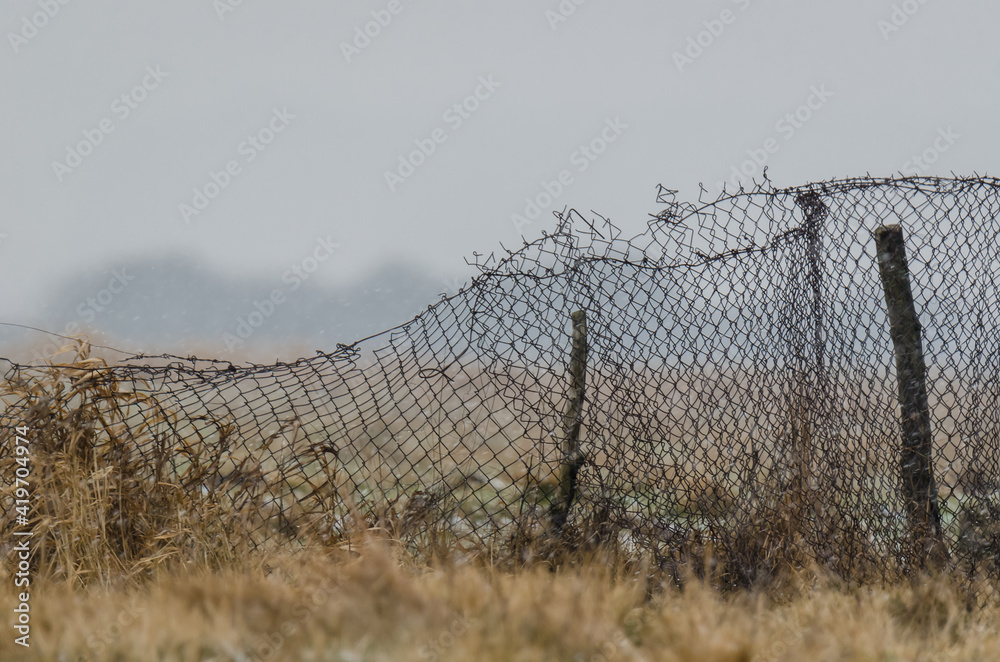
809 374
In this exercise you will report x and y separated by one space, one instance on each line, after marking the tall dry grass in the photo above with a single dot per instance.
101 513
139 564
368 601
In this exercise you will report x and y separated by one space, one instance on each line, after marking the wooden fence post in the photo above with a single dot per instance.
572 458
916 466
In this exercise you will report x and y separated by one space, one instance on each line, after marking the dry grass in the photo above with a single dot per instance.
367 602
100 512
150 562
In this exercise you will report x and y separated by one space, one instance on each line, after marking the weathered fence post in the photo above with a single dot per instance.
917 470
572 459
809 394
815 217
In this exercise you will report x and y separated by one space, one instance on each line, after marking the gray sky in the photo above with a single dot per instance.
667 92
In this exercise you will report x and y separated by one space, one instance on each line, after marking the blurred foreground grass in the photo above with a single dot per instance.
367 601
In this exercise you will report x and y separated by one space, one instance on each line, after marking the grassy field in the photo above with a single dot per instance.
146 558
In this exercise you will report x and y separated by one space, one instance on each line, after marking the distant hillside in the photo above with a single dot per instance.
175 302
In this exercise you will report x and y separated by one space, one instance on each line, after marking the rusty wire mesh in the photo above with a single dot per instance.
740 392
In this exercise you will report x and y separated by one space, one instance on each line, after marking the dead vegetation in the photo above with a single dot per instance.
147 547
369 600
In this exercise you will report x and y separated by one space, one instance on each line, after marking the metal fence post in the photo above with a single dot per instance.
815 218
916 467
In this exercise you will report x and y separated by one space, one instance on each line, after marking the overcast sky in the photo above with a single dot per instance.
246 134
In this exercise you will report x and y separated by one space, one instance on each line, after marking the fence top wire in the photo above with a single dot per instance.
584 238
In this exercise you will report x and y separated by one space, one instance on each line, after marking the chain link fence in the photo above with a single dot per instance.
736 385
